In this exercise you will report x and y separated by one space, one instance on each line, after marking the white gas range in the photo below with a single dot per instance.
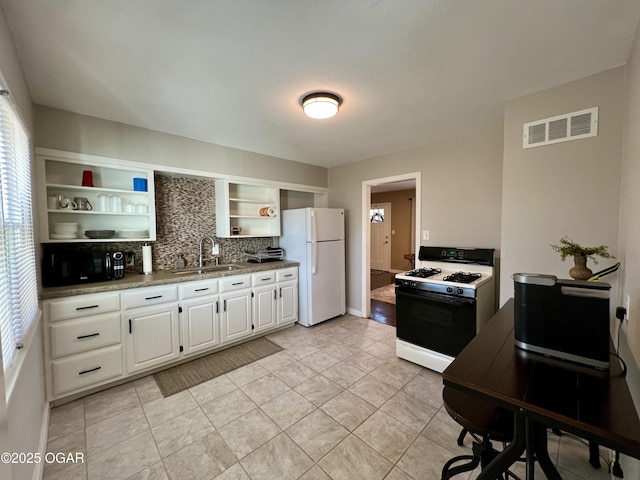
443 303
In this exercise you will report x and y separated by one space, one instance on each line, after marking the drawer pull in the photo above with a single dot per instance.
87 336
89 371
87 307
237 283
153 298
288 275
202 289
265 279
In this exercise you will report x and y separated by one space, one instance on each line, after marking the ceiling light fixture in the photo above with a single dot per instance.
321 104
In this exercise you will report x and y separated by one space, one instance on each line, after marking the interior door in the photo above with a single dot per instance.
380 218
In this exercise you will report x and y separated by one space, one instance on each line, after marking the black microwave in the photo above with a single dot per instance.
69 267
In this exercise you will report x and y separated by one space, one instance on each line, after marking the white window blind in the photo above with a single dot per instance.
18 284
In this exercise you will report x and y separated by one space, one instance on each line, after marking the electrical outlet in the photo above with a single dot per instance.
627 305
425 235
216 249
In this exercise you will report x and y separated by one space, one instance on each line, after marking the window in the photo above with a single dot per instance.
18 284
376 215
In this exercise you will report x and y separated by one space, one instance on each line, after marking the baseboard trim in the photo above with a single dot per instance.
353 311
38 472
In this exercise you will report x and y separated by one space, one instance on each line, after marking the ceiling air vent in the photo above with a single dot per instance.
570 126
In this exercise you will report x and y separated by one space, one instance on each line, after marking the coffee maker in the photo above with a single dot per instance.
567 319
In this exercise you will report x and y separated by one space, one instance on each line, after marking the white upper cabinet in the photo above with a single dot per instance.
247 210
120 197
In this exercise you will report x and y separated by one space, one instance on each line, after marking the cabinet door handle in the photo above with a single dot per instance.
202 289
129 325
87 336
89 371
217 307
275 293
224 306
87 307
280 292
153 298
237 283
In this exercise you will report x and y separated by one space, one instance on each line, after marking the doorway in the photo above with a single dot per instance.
410 181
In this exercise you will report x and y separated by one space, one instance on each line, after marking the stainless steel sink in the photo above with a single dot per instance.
208 269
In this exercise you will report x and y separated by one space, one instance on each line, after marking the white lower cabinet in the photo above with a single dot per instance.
86 370
263 300
96 339
264 303
235 315
287 295
287 303
152 336
199 316
83 342
235 308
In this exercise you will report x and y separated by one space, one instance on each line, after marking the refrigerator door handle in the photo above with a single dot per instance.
314 227
314 258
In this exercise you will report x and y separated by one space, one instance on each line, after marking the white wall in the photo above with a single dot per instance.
22 417
567 189
73 132
629 246
472 164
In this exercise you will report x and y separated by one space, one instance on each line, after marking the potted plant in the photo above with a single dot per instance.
580 256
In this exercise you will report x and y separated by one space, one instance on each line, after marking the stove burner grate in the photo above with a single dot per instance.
462 277
423 272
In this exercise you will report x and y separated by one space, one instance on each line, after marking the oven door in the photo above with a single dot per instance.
437 322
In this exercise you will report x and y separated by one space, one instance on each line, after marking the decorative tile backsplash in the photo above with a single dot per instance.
185 212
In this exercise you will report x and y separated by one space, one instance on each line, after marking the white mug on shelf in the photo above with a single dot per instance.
141 208
130 208
68 204
103 202
115 203
52 202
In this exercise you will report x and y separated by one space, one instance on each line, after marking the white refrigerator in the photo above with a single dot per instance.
315 238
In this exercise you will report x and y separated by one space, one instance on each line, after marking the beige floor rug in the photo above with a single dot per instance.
176 379
386 294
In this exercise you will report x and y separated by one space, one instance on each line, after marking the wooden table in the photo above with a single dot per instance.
544 393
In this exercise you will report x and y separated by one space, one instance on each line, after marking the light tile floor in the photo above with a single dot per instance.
336 403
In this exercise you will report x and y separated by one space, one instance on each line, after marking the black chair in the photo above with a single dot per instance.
485 422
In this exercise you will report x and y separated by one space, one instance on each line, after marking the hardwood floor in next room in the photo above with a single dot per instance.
380 311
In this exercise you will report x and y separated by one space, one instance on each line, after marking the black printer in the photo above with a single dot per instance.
567 319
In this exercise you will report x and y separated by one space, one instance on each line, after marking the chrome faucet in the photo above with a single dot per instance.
200 259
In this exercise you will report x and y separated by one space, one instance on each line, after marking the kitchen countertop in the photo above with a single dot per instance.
158 277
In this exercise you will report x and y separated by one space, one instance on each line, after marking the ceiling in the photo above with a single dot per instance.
232 72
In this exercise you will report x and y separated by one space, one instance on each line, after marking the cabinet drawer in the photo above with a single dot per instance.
198 289
83 306
86 369
286 274
235 282
263 278
143 297
78 336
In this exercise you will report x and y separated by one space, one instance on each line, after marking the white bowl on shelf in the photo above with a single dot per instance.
63 236
65 229
133 233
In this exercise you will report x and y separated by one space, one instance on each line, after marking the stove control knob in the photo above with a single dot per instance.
449 290
459 291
